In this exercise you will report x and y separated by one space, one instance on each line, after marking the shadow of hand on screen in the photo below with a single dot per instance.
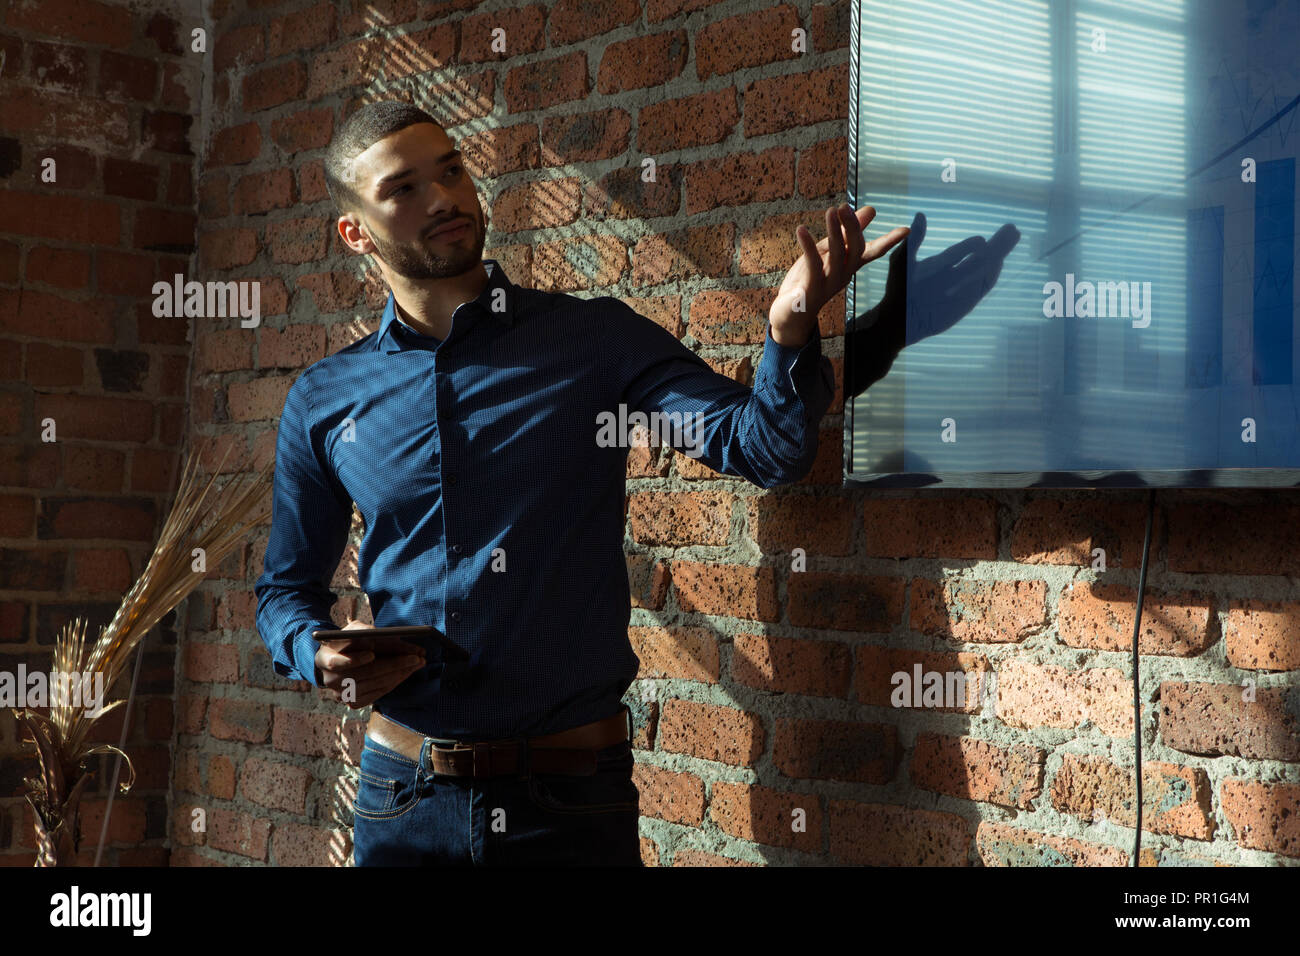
944 288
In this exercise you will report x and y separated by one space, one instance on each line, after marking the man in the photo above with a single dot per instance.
472 430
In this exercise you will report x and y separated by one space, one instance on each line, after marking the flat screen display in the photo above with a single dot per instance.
1099 285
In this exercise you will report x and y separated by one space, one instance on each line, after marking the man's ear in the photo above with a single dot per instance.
354 234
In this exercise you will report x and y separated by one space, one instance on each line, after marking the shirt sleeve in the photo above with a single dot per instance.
766 434
310 517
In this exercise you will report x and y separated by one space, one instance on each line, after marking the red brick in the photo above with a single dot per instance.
579 262
42 315
217 663
65 268
384 13
525 30
166 230
167 131
996 612
1100 616
642 61
122 76
972 769
751 39
681 518
261 192
724 589
845 602
9 254
1175 799
1068 531
876 686
433 48
1002 845
296 346
63 116
226 248
959 527
152 470
305 129
180 185
307 29
221 777
235 145
879 835
94 469
332 291
65 218
317 735
585 137
723 734
238 832
1260 635
244 43
259 400
17 516
791 666
75 518
123 273
293 844
232 719
688 653
355 63
298 240
684 254
501 149
537 205
666 795
1217 719
274 86
279 786
1032 695
1263 816
574 20
779 103
836 750
54 65
104 24
122 177
822 169
546 83
700 119
764 815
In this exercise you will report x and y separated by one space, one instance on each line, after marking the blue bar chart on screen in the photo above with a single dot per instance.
1099 284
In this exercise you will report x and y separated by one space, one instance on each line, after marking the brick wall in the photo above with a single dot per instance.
109 94
764 690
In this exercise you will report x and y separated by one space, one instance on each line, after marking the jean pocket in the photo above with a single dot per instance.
388 784
609 790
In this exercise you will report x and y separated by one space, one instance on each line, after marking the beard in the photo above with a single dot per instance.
417 261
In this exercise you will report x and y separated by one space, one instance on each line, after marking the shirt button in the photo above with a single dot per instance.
451 479
455 615
457 548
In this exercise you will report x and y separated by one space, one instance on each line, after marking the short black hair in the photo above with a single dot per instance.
367 126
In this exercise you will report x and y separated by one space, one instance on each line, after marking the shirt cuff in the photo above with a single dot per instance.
304 650
795 367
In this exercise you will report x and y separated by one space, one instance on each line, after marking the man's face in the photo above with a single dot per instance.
413 183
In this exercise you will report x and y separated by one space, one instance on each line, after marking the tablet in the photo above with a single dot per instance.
393 640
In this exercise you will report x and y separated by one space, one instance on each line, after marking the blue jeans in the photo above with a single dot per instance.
405 815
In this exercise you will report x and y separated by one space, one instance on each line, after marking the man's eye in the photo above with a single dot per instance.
454 168
399 189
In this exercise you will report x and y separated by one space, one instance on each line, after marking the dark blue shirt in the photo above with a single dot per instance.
492 491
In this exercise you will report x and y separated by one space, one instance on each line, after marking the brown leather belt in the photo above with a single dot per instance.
571 751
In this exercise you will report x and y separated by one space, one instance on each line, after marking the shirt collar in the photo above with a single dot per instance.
497 278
